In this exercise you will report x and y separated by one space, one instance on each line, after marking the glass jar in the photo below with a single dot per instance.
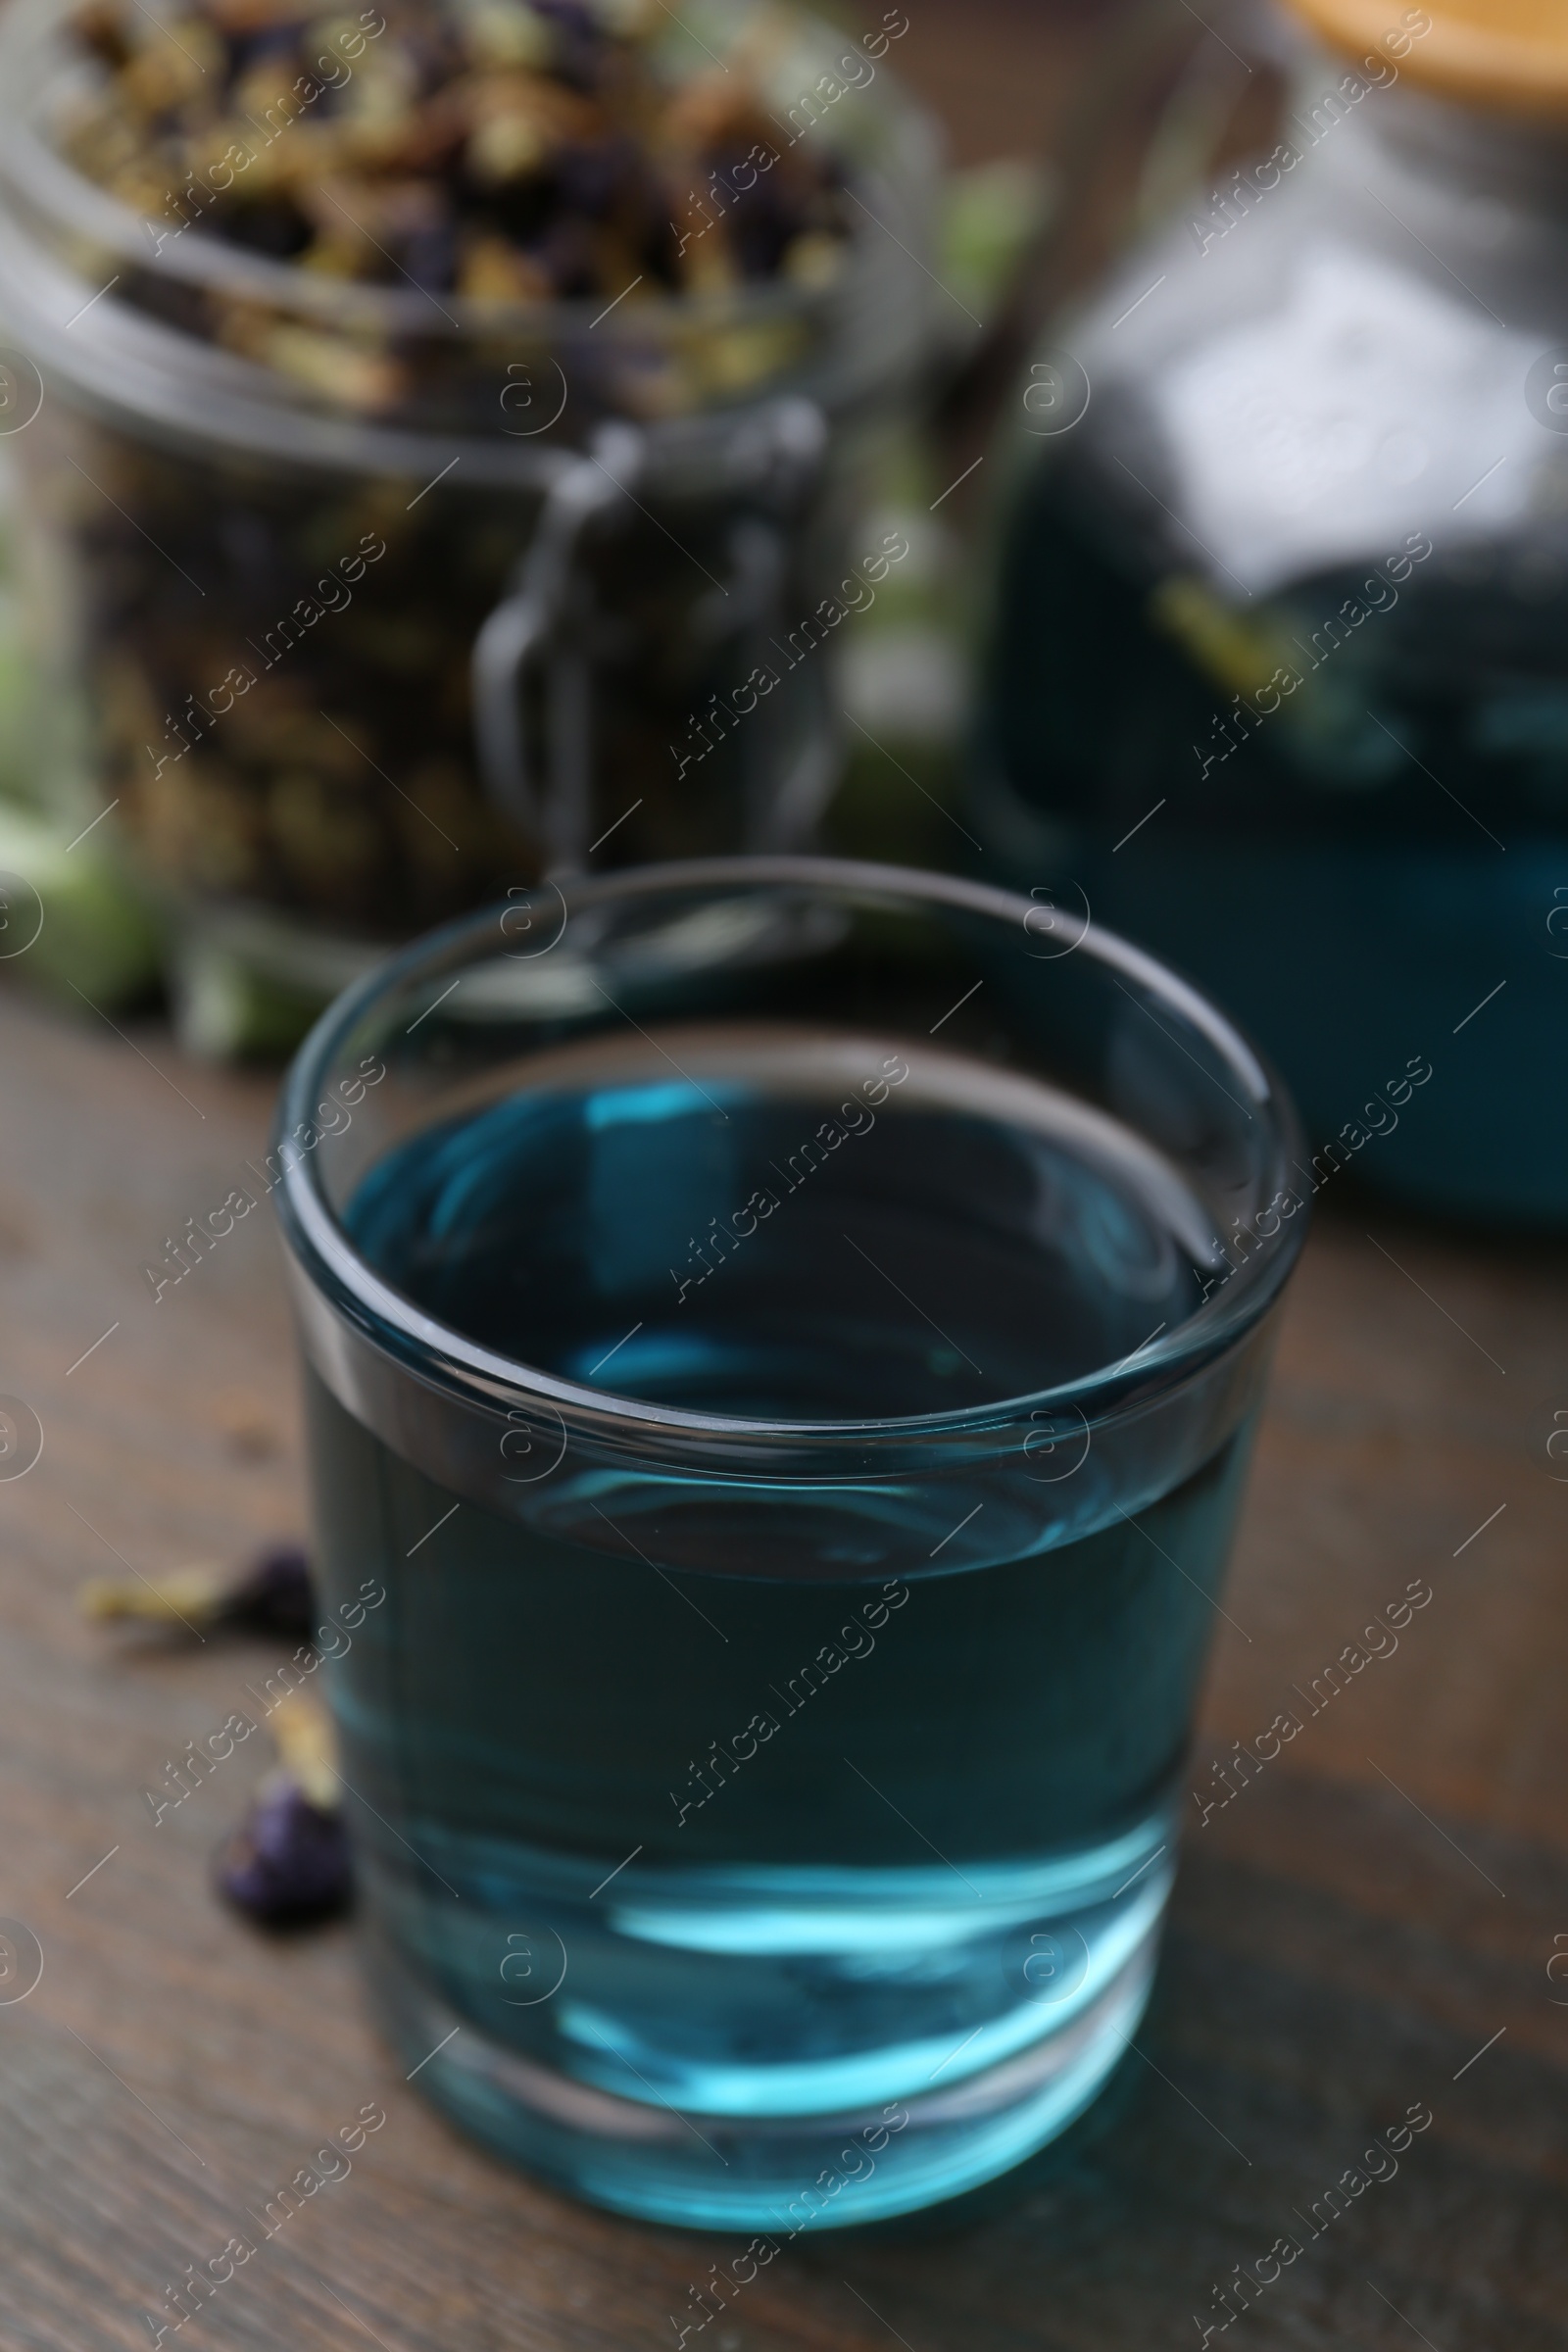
1278 669
298 536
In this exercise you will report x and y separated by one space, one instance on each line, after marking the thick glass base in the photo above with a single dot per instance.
648 2080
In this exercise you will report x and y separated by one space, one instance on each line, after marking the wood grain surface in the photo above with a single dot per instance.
1373 1909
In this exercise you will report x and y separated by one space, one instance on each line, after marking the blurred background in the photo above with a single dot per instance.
1189 381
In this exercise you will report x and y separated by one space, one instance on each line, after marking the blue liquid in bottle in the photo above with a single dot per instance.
1367 859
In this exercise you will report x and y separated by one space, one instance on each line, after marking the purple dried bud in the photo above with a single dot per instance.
289 1861
273 1595
579 43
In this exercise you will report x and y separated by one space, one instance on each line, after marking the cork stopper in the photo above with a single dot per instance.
1508 56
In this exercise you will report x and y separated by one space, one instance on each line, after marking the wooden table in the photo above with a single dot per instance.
1369 1926
1373 1910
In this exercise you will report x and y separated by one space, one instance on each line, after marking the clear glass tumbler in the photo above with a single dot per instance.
784 1337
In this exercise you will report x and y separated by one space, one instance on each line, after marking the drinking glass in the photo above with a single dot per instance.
782 1344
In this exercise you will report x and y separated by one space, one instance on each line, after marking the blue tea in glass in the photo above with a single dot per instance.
786 1336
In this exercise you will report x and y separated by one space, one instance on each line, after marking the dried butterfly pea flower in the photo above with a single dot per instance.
518 126
494 269
307 1749
291 1861
273 1594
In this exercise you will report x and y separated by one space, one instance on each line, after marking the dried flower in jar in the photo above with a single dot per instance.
509 150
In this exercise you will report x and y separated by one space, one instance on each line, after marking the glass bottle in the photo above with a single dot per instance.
1279 660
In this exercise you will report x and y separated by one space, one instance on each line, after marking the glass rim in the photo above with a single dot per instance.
317 1244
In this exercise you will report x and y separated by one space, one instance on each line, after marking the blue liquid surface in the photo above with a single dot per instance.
795 1827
